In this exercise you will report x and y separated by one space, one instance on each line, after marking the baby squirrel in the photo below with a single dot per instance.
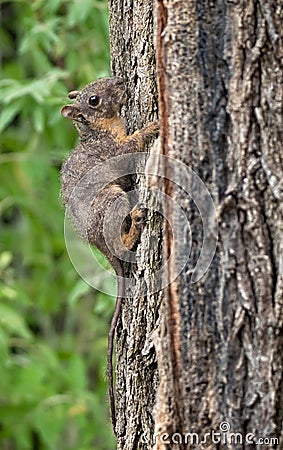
96 115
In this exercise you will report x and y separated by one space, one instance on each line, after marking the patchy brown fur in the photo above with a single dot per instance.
102 133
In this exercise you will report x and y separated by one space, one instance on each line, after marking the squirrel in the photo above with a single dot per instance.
102 134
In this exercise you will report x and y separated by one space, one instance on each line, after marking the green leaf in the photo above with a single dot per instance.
7 292
78 12
49 423
38 119
5 260
76 373
51 344
8 114
80 289
12 321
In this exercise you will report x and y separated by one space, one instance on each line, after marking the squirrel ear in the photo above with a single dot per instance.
73 94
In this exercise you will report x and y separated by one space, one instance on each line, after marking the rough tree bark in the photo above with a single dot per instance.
218 342
133 58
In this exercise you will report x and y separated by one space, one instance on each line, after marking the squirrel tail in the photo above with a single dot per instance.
119 299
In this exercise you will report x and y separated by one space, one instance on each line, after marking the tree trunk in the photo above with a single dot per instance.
133 58
219 341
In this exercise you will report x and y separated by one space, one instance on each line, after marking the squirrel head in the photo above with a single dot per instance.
102 99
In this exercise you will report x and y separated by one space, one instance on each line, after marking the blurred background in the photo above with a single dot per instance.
53 326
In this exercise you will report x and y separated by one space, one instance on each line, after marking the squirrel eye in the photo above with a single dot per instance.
94 100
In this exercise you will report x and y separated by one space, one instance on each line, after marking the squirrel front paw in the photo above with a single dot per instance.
152 128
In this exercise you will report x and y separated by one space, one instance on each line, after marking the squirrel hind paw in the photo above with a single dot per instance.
138 216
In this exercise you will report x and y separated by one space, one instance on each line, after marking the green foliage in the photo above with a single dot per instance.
53 327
